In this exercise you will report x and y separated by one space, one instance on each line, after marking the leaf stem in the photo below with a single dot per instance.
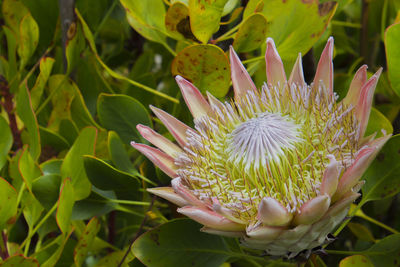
104 19
226 35
39 225
340 252
372 220
346 24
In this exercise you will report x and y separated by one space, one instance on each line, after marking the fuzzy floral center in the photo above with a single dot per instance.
259 140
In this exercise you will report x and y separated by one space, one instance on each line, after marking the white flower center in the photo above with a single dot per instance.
258 140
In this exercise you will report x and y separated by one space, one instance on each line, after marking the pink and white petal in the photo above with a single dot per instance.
379 142
262 232
177 128
158 140
185 193
195 101
213 231
169 194
274 66
330 179
354 172
214 102
226 213
159 158
363 107
343 203
360 78
312 210
272 213
241 79
210 219
324 73
297 75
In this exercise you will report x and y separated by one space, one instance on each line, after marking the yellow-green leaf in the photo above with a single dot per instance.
205 16
251 34
85 241
65 205
392 40
356 261
28 38
72 166
206 66
8 202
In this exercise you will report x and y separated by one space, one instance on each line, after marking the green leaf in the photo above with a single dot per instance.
8 202
14 11
65 205
180 243
385 252
114 258
356 261
46 189
177 21
382 178
20 261
361 232
74 46
52 258
205 16
28 38
251 34
46 65
52 139
118 153
72 166
6 141
147 18
32 209
86 240
206 66
392 39
106 177
377 122
27 115
122 113
94 205
28 168
294 25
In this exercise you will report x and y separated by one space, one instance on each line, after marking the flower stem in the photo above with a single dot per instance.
361 214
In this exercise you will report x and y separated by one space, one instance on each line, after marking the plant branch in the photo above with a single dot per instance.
8 106
138 232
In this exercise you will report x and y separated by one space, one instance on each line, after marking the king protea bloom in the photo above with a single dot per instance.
276 167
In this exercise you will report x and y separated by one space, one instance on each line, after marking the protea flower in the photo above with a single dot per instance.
276 167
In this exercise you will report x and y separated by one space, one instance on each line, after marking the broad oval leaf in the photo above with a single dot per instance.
6 141
251 34
361 232
177 22
205 16
106 177
356 261
8 202
392 40
147 18
385 252
65 205
28 38
294 25
46 189
382 178
86 240
180 243
20 261
378 122
72 166
27 115
206 66
121 113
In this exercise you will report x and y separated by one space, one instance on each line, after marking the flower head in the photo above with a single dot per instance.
277 167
